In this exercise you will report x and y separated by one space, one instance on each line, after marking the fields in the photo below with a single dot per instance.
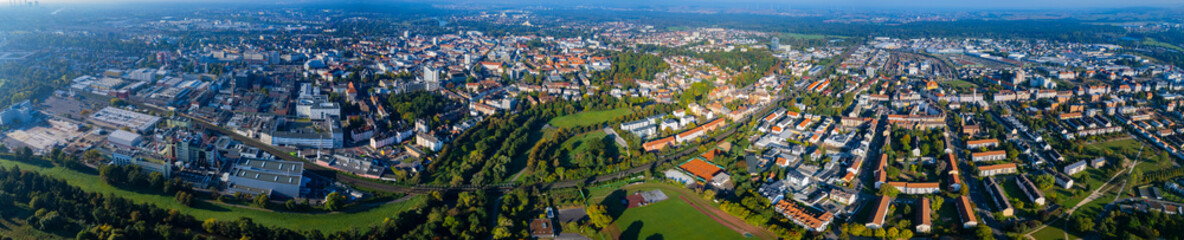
1052 232
657 221
326 222
587 118
1153 42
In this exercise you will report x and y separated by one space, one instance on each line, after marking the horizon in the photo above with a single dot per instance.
857 5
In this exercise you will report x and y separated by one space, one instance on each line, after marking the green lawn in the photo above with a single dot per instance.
586 118
656 221
1153 42
326 222
1051 233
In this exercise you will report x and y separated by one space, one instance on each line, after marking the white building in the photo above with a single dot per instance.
124 138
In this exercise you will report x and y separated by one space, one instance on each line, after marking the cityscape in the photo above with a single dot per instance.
519 119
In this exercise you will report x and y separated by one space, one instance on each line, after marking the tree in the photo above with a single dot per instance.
334 201
185 198
1082 223
598 215
983 232
1044 181
261 201
92 156
888 190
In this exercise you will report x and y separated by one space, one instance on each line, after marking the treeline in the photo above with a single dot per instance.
1162 175
1122 225
628 66
52 205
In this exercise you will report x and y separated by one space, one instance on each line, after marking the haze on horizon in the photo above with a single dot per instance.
742 4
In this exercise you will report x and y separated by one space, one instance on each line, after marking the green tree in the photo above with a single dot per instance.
334 201
598 215
888 190
261 201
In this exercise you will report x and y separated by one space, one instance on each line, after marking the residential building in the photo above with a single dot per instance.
992 170
876 220
924 223
988 156
998 196
1030 190
966 212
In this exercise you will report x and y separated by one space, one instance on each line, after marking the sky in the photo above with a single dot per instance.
752 4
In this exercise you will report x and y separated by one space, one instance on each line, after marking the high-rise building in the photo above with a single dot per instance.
431 78
776 43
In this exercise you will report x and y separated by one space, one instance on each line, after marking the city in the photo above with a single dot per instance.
613 120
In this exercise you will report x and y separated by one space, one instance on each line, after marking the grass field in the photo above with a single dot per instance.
654 222
669 219
1153 42
586 118
1051 233
326 222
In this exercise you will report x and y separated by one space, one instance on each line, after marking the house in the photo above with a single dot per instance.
924 223
842 197
998 196
773 191
659 144
1030 190
988 156
992 170
1098 162
810 219
1062 180
916 188
966 212
796 179
876 220
542 228
1075 168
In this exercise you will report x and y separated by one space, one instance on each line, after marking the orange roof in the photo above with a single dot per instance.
989 153
923 185
953 162
792 210
710 154
923 217
658 144
982 141
996 167
881 211
965 210
701 169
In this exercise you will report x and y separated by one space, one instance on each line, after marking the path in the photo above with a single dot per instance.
1092 196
